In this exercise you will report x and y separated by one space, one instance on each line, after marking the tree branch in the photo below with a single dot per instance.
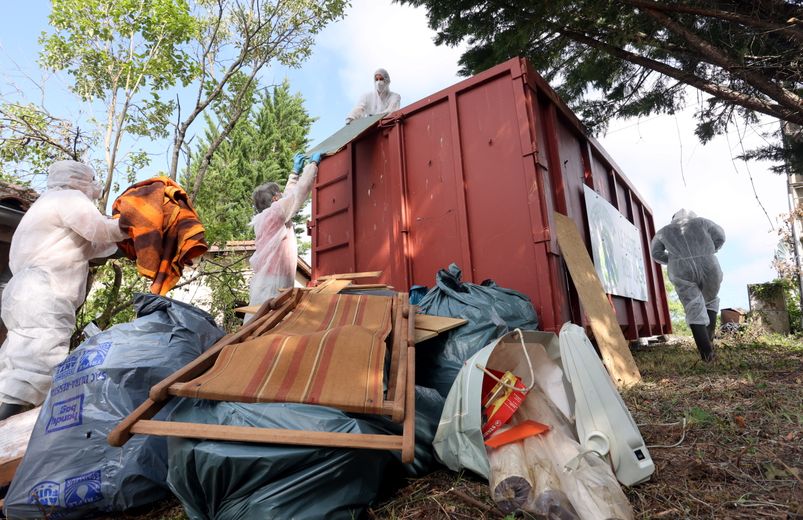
749 21
781 95
716 90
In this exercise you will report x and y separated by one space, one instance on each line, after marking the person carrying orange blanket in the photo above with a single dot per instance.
164 231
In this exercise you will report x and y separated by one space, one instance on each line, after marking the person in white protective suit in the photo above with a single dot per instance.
687 246
49 259
379 101
276 252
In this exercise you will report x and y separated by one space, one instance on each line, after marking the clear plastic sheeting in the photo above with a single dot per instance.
69 469
230 481
491 312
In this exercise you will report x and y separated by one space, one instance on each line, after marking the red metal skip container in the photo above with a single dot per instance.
471 175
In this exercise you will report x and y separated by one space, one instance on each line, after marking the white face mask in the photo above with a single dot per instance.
381 86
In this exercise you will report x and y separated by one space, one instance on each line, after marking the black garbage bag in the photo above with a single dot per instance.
69 469
231 480
491 311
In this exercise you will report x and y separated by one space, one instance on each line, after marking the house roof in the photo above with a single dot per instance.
16 196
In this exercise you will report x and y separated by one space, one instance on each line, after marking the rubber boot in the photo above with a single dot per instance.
7 410
703 341
712 324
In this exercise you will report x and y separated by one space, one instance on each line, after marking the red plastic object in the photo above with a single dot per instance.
471 175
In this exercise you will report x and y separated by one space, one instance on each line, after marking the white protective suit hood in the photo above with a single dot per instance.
73 175
381 100
382 87
683 214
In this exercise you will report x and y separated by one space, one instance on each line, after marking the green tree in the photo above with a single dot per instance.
31 139
237 40
259 149
635 57
122 54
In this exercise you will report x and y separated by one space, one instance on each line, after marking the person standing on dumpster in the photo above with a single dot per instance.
379 101
276 252
49 257
687 246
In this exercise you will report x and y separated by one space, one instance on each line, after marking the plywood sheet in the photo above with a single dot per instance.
612 344
437 323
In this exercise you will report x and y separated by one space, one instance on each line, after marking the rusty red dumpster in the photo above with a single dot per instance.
471 175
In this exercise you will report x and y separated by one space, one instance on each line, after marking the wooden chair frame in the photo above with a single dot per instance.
399 402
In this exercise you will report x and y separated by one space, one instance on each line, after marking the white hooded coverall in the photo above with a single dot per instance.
379 101
687 246
276 252
49 258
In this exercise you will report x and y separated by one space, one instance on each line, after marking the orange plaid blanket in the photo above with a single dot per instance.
164 230
330 351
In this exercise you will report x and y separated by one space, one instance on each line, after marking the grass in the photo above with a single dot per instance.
741 456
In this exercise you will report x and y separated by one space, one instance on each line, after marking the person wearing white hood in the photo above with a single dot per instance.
380 101
49 259
688 246
275 250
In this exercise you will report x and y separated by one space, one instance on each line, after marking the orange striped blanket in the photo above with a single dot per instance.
165 232
330 351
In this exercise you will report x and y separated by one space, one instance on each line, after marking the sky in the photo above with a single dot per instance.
660 155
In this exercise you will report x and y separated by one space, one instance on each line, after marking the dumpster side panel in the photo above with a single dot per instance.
499 225
432 185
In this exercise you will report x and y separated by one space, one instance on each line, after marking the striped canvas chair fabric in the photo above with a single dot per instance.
330 351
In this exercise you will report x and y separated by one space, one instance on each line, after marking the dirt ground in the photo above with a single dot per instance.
739 454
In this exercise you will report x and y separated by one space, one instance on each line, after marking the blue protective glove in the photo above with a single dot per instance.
298 162
316 158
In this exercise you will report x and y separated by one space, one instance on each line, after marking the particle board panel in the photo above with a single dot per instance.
612 344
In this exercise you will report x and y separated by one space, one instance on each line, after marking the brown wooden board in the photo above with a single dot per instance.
351 276
335 286
423 335
14 434
612 344
437 323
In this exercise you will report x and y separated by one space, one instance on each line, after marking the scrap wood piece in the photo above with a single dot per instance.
14 434
437 323
350 276
332 286
612 343
423 335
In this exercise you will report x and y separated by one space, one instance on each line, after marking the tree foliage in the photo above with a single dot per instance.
122 54
259 149
634 57
237 40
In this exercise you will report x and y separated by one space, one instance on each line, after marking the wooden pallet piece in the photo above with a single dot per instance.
612 344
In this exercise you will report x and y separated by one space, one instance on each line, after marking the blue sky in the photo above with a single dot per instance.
660 155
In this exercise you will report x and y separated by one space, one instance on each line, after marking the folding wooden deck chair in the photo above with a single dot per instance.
305 346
